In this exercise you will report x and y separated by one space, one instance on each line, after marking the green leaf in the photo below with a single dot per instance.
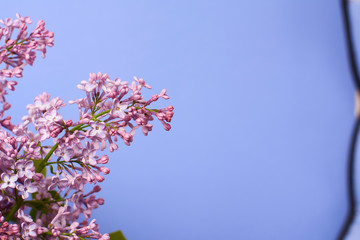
33 213
55 195
117 236
37 205
37 165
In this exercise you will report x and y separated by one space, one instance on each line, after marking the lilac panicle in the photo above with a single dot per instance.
43 172
19 49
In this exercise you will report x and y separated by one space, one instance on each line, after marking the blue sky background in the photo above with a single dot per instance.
263 101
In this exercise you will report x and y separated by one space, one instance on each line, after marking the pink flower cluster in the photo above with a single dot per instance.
42 182
17 52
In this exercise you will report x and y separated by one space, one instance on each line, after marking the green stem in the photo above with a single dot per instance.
17 43
16 207
151 110
42 202
100 114
72 161
43 162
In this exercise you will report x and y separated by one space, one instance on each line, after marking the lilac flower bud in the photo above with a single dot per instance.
7 123
168 116
10 85
68 123
132 110
128 137
112 94
167 126
18 72
163 94
100 201
127 118
97 188
153 99
55 232
55 131
112 132
160 116
6 106
140 121
6 73
113 147
170 108
12 141
83 230
41 230
105 170
124 90
24 139
103 160
99 178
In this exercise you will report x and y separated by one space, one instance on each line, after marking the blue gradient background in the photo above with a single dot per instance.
263 101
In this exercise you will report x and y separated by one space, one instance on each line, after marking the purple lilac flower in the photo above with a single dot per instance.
8 181
26 188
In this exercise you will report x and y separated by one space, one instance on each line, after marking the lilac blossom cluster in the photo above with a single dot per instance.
42 181
18 52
